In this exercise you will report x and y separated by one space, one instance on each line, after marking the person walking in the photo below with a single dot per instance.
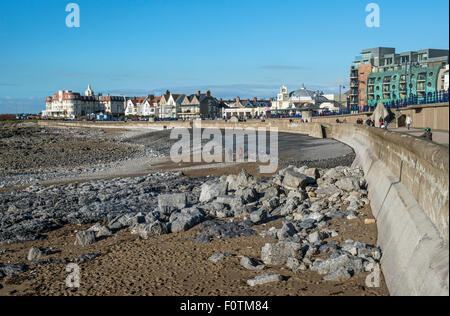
408 122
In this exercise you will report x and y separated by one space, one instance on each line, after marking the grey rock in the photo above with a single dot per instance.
264 279
348 184
271 193
288 230
315 237
13 269
327 189
339 275
306 224
222 230
103 232
212 190
86 257
224 213
35 253
168 203
185 220
271 204
338 260
242 180
247 195
294 180
225 199
84 238
312 173
251 264
294 264
218 257
277 254
258 216
156 228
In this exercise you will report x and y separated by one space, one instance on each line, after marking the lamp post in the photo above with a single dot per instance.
340 95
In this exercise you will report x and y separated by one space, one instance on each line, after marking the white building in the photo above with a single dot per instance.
292 103
68 104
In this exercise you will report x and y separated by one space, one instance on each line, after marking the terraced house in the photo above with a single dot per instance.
246 108
382 75
199 105
145 106
170 105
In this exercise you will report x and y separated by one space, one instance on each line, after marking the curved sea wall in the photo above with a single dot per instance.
408 188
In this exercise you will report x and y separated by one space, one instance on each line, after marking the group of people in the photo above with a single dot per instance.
369 122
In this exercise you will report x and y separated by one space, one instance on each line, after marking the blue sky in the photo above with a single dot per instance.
234 48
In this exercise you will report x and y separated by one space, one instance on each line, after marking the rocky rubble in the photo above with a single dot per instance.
306 199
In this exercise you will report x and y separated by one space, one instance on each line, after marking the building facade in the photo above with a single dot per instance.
199 105
245 109
381 75
68 104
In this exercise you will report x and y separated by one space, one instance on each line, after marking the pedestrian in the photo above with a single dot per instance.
408 122
428 134
381 122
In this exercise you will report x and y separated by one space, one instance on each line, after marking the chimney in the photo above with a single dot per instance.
238 99
199 92
221 100
255 99
234 100
271 100
208 93
167 92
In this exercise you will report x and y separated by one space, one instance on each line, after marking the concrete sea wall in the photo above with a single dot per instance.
408 187
408 190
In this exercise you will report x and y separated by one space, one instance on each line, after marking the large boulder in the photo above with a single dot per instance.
294 180
185 220
258 216
264 279
312 173
278 254
168 203
247 195
212 190
337 264
288 230
348 184
327 189
156 228
242 180
85 238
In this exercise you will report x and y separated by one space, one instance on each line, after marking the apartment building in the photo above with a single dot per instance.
381 75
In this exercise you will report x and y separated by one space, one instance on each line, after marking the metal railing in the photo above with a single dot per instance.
430 98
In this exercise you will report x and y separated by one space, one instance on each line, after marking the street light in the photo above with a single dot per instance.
340 95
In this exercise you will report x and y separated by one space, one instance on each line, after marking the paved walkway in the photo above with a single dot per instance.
439 137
